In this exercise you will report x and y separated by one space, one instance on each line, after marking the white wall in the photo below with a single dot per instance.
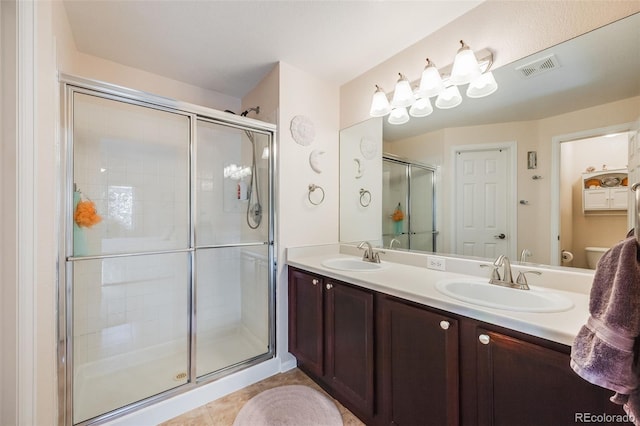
299 222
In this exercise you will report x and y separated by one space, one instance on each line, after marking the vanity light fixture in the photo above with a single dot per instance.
465 66
449 98
398 116
380 104
466 69
421 108
403 94
431 83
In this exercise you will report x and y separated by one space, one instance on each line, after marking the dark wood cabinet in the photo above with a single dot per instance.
524 383
306 320
419 362
349 343
331 335
429 367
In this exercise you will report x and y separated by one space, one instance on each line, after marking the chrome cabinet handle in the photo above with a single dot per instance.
484 339
329 286
315 281
444 325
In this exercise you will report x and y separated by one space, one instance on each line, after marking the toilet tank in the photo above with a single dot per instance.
593 255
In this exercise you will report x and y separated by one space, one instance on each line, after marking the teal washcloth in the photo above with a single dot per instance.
79 237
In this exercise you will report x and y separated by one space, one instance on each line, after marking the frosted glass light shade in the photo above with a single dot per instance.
482 86
450 98
402 95
379 104
398 116
421 108
431 82
465 66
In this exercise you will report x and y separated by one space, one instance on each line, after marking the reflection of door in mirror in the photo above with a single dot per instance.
410 188
591 220
482 202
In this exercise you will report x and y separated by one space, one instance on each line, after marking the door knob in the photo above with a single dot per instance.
500 237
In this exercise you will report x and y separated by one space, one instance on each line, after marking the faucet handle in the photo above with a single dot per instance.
522 278
495 275
376 255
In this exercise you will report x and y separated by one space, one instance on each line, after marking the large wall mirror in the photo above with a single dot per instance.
581 90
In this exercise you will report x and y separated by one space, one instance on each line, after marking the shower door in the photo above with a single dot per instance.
128 255
168 250
233 246
410 188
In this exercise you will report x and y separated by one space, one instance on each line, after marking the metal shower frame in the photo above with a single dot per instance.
69 85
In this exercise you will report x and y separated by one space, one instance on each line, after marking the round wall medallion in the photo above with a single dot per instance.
302 130
368 148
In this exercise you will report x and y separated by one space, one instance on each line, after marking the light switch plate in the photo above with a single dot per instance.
437 263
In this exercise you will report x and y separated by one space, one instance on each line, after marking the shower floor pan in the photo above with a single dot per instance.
109 384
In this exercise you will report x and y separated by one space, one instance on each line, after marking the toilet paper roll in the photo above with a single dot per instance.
567 256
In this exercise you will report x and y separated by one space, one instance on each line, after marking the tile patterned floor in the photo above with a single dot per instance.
223 411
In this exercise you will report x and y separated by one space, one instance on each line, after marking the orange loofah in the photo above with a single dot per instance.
86 214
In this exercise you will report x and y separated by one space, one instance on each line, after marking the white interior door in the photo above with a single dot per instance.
481 203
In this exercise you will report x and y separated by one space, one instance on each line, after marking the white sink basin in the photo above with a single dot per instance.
351 264
480 292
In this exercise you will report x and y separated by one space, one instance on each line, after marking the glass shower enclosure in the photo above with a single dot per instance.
168 249
408 188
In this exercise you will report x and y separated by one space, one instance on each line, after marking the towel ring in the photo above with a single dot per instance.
365 197
312 188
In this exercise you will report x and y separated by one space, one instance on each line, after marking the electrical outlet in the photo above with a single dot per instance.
437 263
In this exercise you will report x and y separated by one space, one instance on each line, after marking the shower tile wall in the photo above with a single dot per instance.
221 216
136 172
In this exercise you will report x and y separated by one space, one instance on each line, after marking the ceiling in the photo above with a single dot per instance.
229 46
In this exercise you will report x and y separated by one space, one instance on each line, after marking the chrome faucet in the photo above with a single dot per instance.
369 254
503 261
507 277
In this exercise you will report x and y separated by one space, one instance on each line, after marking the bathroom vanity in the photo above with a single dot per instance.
405 355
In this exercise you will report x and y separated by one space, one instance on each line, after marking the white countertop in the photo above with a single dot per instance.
417 284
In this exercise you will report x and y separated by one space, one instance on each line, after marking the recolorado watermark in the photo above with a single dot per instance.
602 418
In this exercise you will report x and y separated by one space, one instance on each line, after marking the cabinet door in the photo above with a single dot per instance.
306 320
596 199
619 198
349 337
419 365
520 383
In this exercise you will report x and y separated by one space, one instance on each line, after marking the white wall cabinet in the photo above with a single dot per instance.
606 198
605 190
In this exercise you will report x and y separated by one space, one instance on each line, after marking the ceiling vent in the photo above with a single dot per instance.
538 66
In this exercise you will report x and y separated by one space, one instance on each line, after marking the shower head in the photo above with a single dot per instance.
256 109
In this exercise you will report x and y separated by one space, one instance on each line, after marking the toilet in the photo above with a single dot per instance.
593 255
